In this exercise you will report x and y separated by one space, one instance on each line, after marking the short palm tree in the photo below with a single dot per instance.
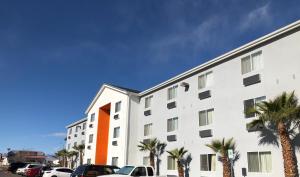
222 147
80 149
71 155
150 146
283 112
177 154
62 154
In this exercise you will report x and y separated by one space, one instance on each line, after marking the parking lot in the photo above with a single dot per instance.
4 173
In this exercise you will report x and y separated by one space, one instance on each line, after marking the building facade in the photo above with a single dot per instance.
26 156
76 133
205 103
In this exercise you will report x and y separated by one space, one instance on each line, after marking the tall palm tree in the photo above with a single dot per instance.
150 146
177 154
222 147
283 112
80 149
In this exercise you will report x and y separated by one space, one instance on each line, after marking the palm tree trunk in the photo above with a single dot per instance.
226 167
81 159
180 169
152 160
289 159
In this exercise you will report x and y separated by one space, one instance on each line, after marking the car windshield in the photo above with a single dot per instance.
125 170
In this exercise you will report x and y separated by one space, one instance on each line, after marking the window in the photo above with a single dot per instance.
150 171
172 165
118 106
116 132
172 92
69 146
88 161
91 138
114 161
70 131
82 142
205 117
139 171
208 162
172 124
259 162
147 129
250 104
146 161
205 80
77 128
148 102
84 126
93 117
252 62
75 144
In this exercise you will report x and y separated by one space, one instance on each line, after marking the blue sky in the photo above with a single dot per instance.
54 55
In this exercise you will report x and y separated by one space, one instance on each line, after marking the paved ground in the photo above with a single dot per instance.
4 173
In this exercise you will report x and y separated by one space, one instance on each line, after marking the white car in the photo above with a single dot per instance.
58 172
21 171
130 170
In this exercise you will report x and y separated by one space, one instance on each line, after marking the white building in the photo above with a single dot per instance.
75 136
197 106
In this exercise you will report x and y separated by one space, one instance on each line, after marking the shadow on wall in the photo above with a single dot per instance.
269 136
186 162
160 149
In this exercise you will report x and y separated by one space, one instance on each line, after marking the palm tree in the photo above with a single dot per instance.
62 154
80 149
284 113
177 154
71 155
222 147
150 146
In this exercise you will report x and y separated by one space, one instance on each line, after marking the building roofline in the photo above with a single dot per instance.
77 122
225 56
112 87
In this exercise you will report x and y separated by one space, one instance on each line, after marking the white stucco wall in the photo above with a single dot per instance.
109 96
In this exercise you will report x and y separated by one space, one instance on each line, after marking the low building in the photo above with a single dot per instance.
26 156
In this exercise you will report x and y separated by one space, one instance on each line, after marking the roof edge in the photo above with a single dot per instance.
77 122
126 92
233 52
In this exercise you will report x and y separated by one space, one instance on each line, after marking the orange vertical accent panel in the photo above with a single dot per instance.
102 135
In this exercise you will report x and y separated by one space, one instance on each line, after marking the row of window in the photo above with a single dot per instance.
116 134
260 162
205 117
77 128
74 144
117 109
249 63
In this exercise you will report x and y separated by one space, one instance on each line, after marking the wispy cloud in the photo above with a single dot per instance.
57 134
258 16
192 39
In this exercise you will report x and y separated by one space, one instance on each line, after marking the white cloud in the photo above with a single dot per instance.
258 16
191 39
57 134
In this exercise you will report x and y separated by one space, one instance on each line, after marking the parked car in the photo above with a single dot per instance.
33 172
94 170
21 171
134 171
44 168
14 166
58 172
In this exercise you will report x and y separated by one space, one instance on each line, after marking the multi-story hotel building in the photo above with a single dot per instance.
75 136
197 106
